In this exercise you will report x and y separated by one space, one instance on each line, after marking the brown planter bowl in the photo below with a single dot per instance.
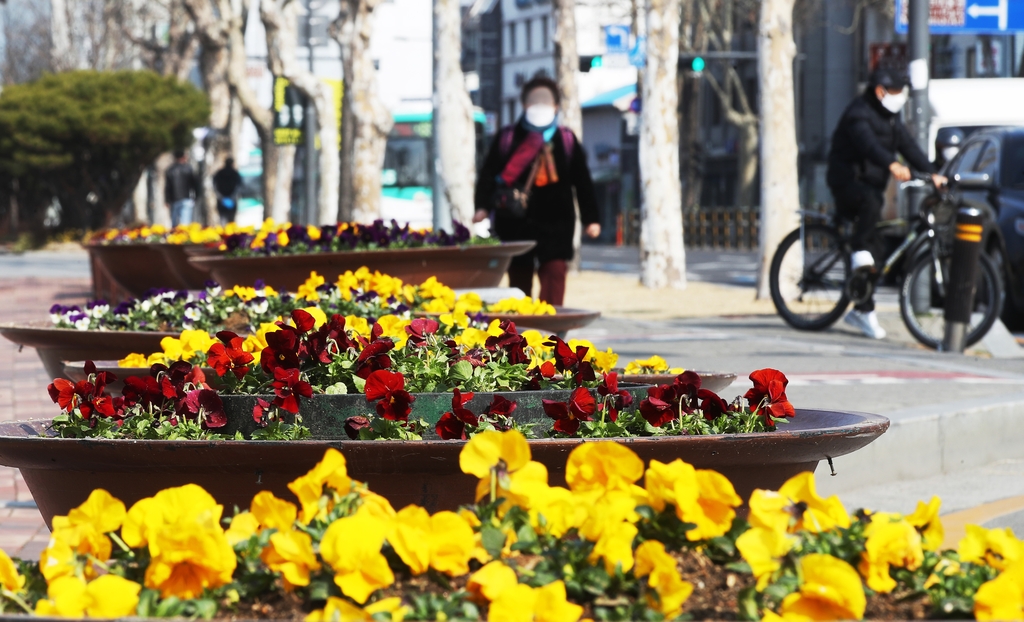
137 268
455 266
715 381
56 345
61 473
75 371
189 275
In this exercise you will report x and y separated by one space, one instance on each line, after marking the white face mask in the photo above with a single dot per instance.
949 153
894 103
541 115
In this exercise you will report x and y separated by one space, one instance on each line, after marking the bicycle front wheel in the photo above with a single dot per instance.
923 301
808 277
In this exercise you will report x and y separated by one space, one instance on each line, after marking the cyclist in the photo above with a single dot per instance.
863 156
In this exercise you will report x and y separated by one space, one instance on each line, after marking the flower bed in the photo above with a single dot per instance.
624 540
387 363
288 239
192 233
358 294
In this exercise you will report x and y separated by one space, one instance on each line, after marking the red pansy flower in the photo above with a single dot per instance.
354 424
658 408
452 425
388 390
567 415
228 356
510 342
419 329
768 395
374 357
288 387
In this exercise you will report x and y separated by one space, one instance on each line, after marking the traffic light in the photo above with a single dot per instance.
698 64
589 62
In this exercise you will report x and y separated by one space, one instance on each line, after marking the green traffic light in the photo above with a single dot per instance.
597 61
698 64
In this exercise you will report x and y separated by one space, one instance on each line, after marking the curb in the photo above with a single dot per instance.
932 440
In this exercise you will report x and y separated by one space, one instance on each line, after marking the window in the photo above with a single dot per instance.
512 39
965 160
545 34
528 24
988 161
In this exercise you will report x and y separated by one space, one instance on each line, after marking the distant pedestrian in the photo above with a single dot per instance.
180 190
526 187
227 182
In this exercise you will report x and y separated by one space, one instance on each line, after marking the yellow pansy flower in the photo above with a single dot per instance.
189 550
394 327
432 289
1003 597
444 541
243 526
891 541
489 582
273 513
319 317
672 591
282 238
330 471
455 319
489 450
926 520
109 596
998 548
821 514
82 532
357 325
340 610
702 497
10 578
290 552
763 549
522 603
602 466
653 365
133 360
359 568
469 302
254 344
436 305
472 338
172 348
308 289
615 547
831 590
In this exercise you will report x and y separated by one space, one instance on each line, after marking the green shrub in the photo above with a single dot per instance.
85 138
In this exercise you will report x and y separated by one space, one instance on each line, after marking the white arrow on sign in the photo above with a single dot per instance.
1001 11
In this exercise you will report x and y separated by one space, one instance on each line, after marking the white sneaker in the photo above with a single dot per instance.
866 323
861 259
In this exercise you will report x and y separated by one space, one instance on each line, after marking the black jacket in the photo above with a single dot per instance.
227 181
865 143
550 215
179 183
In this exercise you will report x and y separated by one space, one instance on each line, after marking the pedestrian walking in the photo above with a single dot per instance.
180 190
227 182
865 144
526 187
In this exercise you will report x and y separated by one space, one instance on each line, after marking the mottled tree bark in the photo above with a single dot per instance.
662 255
280 22
213 63
780 192
567 63
370 118
454 114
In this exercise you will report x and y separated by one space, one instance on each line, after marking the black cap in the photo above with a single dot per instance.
892 79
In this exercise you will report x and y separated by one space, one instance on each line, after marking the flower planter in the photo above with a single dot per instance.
136 268
189 275
716 381
562 322
455 266
56 345
325 415
60 473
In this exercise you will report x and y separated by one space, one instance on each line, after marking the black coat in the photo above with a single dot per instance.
180 183
865 143
550 215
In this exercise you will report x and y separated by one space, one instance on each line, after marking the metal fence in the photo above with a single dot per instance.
721 228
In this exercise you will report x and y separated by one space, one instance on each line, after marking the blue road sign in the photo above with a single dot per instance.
616 39
638 55
966 17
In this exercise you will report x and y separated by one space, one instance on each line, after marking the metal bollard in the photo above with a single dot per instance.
963 278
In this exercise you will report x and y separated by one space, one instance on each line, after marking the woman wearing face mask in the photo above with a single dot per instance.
526 188
865 144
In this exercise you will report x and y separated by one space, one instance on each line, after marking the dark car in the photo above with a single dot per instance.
988 173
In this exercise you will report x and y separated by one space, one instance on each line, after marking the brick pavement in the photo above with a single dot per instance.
23 396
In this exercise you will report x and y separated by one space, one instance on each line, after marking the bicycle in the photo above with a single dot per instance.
812 284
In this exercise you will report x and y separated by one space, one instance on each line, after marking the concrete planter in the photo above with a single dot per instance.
61 473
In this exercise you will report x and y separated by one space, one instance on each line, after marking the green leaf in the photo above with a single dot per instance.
492 539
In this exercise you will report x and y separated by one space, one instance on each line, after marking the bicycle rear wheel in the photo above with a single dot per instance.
808 277
922 300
